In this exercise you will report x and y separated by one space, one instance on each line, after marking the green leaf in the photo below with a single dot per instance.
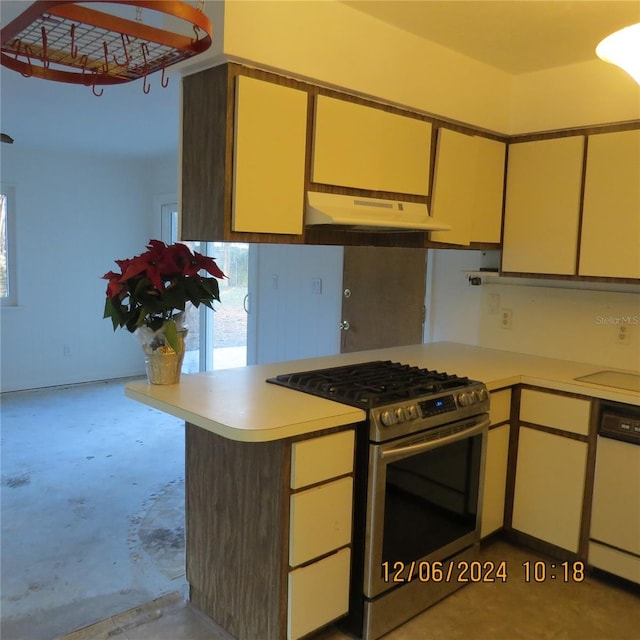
171 335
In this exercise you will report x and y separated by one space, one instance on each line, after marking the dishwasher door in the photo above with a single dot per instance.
614 543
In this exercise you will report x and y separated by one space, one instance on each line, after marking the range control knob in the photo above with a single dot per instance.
388 418
482 394
465 399
412 412
401 414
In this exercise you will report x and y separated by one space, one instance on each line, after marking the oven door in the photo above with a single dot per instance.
424 499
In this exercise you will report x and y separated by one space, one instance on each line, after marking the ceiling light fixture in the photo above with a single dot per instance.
622 48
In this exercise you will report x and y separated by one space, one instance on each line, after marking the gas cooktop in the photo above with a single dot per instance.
372 384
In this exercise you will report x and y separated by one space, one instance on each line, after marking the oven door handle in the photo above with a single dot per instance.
420 447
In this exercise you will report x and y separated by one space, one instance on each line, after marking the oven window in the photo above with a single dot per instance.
431 499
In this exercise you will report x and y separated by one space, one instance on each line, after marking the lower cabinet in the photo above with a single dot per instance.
320 519
268 532
550 476
495 477
318 593
551 467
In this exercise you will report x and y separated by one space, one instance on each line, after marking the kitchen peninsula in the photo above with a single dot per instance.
269 474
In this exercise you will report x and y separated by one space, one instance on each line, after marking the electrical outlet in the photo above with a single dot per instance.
316 285
623 334
66 350
275 281
505 318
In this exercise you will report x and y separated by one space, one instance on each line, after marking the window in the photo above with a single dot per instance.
7 247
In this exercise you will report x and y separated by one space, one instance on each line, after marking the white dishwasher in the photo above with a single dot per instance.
614 539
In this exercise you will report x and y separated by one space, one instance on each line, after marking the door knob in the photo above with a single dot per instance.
344 325
347 293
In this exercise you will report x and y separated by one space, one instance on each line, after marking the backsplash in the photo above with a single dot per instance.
582 325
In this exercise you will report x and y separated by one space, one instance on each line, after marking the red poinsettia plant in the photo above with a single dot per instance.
152 289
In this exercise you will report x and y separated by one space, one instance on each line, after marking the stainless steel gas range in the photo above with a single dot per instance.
418 485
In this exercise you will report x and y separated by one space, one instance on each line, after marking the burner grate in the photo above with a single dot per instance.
371 384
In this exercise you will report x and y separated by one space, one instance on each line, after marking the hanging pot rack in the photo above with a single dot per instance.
68 42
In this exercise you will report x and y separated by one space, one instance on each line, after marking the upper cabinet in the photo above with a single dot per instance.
243 157
610 240
269 154
468 187
366 147
542 208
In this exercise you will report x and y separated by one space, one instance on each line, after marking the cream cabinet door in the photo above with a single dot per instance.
319 459
486 222
269 157
370 148
610 239
454 186
542 207
468 187
549 486
318 594
320 520
495 480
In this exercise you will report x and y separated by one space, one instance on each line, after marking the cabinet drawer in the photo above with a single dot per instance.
318 594
320 459
500 406
320 520
552 410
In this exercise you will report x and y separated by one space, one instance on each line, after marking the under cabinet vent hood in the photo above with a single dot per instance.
369 214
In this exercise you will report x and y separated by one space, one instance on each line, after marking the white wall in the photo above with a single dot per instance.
335 44
75 214
571 324
292 321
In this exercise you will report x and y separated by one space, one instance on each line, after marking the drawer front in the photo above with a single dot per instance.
552 410
320 520
321 459
318 594
614 561
500 406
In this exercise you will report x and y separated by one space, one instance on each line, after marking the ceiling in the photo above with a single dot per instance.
516 36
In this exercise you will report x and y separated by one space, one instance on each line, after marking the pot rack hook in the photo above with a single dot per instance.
127 59
105 68
146 87
27 53
164 81
74 46
43 56
93 85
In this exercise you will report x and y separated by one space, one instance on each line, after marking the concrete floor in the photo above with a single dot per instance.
92 508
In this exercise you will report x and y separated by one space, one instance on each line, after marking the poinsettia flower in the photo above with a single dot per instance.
154 285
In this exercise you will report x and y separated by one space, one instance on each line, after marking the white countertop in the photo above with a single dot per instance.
239 404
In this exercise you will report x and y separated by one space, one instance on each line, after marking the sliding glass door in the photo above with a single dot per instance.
217 339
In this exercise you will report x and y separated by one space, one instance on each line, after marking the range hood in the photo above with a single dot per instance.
369 214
